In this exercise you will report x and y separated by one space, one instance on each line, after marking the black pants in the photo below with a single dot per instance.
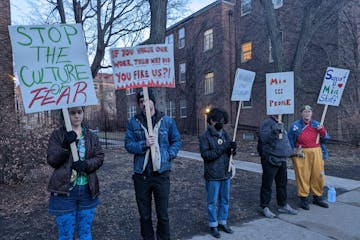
271 172
159 186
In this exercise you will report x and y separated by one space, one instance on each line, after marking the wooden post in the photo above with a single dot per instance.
234 135
322 122
280 121
73 147
150 127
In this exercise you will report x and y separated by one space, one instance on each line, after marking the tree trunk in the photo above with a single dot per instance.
158 21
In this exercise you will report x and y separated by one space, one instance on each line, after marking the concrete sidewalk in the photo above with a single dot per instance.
340 221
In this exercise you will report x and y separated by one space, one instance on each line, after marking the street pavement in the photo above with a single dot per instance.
340 221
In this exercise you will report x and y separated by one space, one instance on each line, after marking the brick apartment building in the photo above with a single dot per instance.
212 43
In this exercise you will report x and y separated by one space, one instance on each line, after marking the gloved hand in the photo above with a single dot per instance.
80 166
278 128
231 149
69 138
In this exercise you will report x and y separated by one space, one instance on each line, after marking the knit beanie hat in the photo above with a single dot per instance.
140 94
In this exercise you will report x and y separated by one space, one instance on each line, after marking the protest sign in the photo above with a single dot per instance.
143 66
333 86
280 93
52 66
244 80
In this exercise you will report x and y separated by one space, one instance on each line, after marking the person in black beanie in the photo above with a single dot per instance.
149 179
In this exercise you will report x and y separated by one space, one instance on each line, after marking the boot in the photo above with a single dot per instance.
317 200
214 232
304 203
226 228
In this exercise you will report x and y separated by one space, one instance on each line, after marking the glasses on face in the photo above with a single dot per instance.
79 112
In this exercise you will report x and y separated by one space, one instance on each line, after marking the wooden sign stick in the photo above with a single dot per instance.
234 135
73 147
69 128
150 127
280 121
322 122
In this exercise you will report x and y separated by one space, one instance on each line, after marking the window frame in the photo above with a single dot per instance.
244 4
181 33
182 73
244 53
208 39
183 105
209 83
171 109
131 111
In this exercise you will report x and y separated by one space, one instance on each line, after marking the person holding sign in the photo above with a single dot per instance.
147 182
274 150
308 157
74 198
215 149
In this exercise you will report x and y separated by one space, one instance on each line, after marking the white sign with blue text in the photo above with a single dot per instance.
333 86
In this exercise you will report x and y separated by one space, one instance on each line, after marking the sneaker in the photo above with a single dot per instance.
304 203
267 213
226 228
288 210
318 201
214 232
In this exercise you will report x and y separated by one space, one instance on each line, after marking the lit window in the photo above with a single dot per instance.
181 37
130 91
245 7
131 111
182 71
183 110
246 51
277 3
209 83
170 109
169 39
246 104
208 40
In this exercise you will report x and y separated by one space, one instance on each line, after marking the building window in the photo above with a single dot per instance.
209 83
181 37
170 109
208 40
169 39
182 72
183 111
245 7
130 91
246 104
131 111
277 3
246 49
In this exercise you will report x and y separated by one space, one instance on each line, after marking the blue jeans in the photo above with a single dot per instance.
218 195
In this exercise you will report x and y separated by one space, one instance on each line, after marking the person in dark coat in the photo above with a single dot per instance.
74 185
274 149
216 148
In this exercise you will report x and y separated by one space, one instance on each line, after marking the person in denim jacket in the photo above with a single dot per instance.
147 181
308 158
216 148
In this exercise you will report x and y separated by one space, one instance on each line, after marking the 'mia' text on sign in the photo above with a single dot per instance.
333 86
143 66
52 66
280 93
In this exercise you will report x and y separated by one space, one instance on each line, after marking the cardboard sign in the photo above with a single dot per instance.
244 80
333 86
52 66
280 93
143 66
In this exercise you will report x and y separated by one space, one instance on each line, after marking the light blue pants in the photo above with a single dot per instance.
66 224
218 194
